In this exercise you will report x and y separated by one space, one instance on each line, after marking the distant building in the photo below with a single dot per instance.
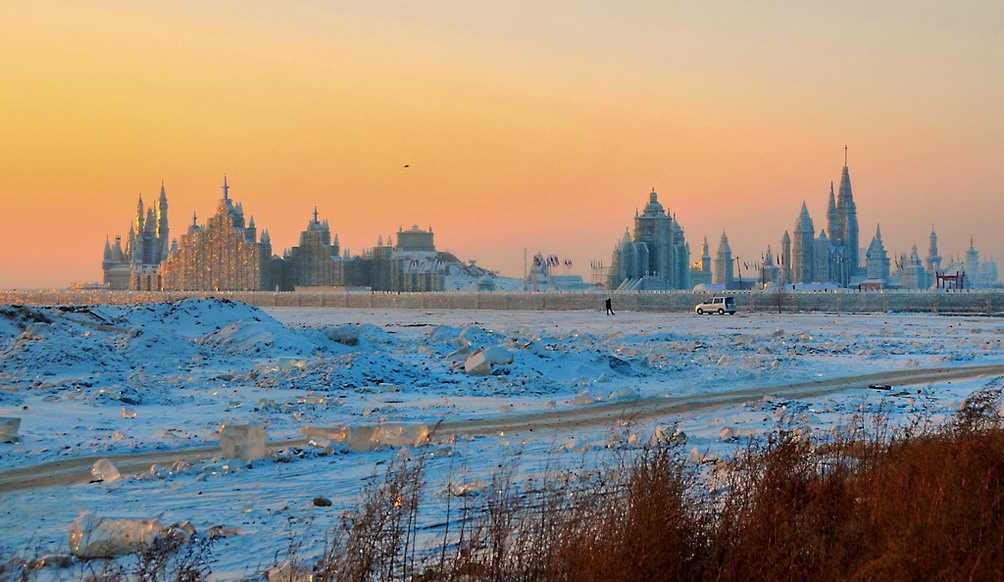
656 256
137 266
226 254
223 255
877 261
832 256
973 272
701 270
316 261
542 276
723 272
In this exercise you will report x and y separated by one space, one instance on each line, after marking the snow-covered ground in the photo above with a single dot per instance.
112 380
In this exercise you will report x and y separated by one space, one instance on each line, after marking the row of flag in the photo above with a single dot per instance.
551 261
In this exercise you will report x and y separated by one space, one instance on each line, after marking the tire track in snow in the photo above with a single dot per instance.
77 470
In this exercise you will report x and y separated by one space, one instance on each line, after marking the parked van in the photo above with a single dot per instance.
719 305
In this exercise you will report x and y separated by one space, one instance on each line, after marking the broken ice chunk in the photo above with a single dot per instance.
9 426
289 572
105 470
699 457
128 413
667 435
477 364
99 537
372 438
498 355
243 441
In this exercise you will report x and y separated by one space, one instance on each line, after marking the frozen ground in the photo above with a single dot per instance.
138 380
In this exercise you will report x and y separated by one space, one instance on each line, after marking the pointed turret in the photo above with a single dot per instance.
833 218
706 264
150 224
163 230
108 250
876 259
140 215
723 244
972 259
803 256
132 248
933 260
722 274
117 253
804 221
848 212
226 188
251 232
785 258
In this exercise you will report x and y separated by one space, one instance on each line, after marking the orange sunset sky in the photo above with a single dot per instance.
526 124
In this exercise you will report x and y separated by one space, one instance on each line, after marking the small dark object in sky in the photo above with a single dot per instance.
407 166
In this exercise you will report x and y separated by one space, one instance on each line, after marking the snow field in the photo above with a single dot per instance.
106 380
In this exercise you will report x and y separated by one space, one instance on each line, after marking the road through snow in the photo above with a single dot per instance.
77 470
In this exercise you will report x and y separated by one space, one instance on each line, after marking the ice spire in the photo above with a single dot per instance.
833 217
804 222
848 218
140 215
226 188
723 244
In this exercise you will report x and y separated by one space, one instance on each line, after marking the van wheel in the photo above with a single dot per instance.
700 312
721 311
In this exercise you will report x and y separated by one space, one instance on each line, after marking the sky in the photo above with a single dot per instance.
524 125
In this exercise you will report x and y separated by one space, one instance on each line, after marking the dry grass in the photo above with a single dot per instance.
920 503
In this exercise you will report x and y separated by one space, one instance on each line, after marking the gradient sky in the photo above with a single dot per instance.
538 125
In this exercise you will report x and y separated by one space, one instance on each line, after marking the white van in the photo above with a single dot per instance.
719 305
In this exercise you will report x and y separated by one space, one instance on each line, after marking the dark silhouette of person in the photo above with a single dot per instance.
609 305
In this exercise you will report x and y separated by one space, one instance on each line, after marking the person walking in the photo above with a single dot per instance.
609 305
